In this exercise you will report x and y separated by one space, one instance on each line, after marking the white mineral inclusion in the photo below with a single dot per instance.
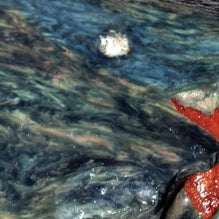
114 44
204 100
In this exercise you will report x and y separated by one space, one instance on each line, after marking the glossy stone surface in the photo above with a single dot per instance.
87 136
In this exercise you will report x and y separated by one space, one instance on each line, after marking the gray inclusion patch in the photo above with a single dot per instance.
105 192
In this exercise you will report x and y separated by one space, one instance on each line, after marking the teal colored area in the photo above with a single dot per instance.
168 48
85 136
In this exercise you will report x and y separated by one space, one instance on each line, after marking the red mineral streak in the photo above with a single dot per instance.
203 191
208 122
203 188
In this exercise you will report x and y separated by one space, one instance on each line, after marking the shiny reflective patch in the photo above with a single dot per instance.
203 191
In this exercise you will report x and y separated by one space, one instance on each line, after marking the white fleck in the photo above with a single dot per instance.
71 134
92 174
114 44
103 191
